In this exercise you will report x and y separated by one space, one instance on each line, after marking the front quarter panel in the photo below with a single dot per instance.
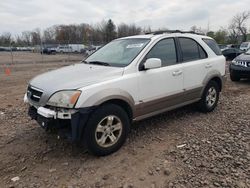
124 88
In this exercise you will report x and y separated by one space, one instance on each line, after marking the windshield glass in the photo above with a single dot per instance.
119 53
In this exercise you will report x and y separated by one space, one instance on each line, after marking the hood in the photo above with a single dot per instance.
243 57
73 77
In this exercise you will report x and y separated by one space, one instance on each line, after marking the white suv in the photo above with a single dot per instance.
129 79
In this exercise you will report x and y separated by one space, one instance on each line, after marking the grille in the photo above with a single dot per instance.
34 94
243 63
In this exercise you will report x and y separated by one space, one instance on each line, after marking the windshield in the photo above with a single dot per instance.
118 53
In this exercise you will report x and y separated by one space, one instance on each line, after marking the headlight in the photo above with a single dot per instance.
234 62
66 99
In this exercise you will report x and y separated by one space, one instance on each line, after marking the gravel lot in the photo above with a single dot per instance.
181 148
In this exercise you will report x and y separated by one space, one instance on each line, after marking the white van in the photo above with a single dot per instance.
245 46
77 48
63 49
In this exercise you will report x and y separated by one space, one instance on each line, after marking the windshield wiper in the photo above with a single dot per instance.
98 63
83 61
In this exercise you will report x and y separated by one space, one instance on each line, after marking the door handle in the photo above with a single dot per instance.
208 65
177 73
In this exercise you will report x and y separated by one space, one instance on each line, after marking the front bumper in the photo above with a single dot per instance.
240 71
69 124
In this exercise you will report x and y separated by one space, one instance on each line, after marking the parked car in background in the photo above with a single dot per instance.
64 49
76 48
233 46
222 46
231 53
240 67
245 46
91 50
48 51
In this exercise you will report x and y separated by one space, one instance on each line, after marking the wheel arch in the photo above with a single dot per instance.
215 76
123 104
114 96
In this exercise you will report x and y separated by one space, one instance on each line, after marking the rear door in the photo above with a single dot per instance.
195 67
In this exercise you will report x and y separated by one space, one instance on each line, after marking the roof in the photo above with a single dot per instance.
159 34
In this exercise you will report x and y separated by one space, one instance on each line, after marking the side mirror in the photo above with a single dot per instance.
152 63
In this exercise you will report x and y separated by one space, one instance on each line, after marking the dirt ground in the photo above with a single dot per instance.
182 148
30 57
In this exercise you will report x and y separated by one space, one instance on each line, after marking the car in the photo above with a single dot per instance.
231 53
245 46
233 46
48 51
129 79
222 46
64 49
76 48
240 67
91 50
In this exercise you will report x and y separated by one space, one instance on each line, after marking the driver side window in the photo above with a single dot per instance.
164 50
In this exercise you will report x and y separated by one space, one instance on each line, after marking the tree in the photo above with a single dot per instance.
195 29
125 30
220 36
36 37
26 37
211 34
110 32
238 25
49 35
5 39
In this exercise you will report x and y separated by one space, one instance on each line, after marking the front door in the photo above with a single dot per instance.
161 88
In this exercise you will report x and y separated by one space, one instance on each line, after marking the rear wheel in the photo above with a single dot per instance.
106 130
210 97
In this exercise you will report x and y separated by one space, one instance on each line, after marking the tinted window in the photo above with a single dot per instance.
164 50
191 50
203 54
213 45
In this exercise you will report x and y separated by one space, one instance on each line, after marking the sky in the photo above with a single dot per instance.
20 15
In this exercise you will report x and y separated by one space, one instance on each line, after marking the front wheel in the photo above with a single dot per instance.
106 130
210 97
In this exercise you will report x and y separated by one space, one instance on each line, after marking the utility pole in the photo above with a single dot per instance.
41 48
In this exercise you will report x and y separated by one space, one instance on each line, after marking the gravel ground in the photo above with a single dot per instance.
181 148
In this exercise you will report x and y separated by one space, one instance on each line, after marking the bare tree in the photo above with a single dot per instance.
196 29
124 30
36 37
26 37
238 25
5 39
49 35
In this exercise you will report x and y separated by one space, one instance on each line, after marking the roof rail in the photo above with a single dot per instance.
172 31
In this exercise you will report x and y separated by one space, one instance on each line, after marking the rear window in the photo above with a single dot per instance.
191 50
213 45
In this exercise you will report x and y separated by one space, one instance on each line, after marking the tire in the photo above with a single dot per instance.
234 78
209 98
99 137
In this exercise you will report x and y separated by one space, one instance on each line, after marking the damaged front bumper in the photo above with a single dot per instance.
68 123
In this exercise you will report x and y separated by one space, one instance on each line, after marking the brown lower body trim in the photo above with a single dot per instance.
167 103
